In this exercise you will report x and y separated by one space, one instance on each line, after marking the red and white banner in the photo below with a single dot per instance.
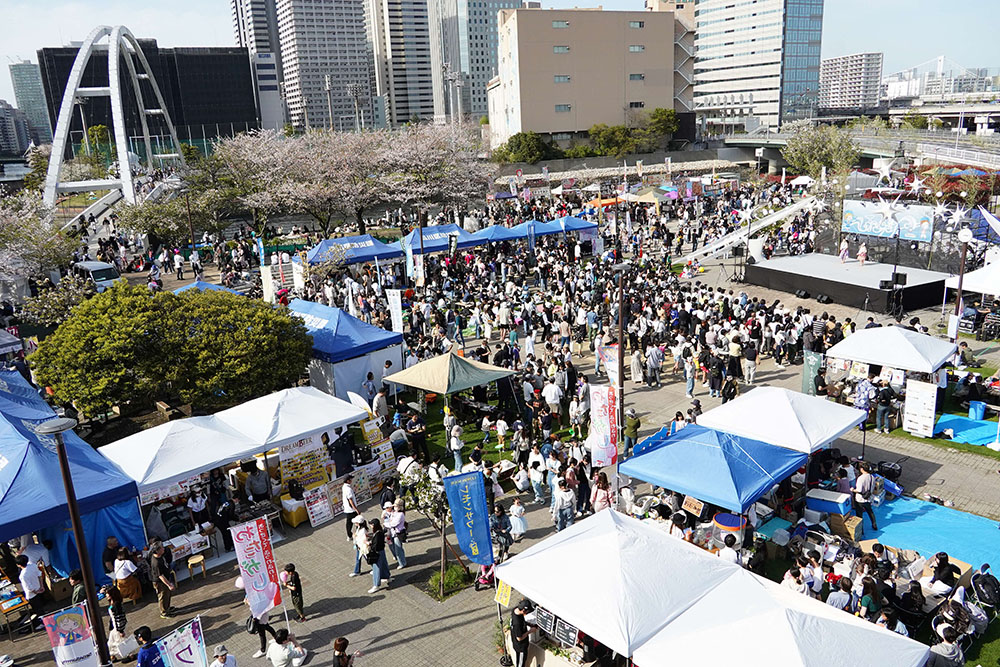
603 437
260 576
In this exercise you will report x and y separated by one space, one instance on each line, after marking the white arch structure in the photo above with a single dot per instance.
121 43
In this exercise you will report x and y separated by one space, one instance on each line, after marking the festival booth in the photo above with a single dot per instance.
202 286
911 361
345 349
784 418
985 280
437 238
299 425
641 584
9 343
344 251
33 498
496 234
537 228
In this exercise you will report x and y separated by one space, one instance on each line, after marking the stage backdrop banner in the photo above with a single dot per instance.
811 362
471 516
260 576
70 638
915 222
184 647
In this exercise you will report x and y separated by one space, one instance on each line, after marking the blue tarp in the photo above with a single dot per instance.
436 239
717 467
32 497
571 223
337 335
981 228
969 431
496 233
352 250
202 286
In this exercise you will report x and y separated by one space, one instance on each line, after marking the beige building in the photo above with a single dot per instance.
562 71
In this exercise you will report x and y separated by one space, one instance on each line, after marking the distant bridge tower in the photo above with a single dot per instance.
122 46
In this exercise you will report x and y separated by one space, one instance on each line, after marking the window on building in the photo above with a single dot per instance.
679 6
562 108
636 77
637 24
560 24
636 105
561 136
561 78
560 49
636 48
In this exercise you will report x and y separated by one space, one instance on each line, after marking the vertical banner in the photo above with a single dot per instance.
184 647
545 173
609 357
638 168
452 245
531 236
668 162
471 516
70 638
512 185
603 437
811 362
395 298
260 576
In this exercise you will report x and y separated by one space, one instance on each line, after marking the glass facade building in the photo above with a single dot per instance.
800 58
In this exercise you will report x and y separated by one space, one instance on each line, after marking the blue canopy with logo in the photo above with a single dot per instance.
718 467
352 250
496 233
436 239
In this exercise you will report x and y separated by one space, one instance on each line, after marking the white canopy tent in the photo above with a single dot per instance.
9 342
798 631
606 576
785 418
895 347
985 280
801 180
179 449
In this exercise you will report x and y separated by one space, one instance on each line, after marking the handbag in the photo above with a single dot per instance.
371 557
253 625
401 533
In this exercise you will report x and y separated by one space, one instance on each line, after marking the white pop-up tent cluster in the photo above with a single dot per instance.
895 347
785 418
645 595
177 450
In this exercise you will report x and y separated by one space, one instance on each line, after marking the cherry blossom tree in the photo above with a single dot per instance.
31 243
253 165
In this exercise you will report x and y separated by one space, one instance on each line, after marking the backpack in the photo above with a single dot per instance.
987 589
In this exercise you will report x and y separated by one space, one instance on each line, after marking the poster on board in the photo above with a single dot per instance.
317 501
304 460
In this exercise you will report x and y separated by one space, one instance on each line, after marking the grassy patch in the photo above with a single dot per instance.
455 580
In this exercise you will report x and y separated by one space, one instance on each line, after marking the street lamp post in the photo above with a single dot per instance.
964 235
329 98
56 427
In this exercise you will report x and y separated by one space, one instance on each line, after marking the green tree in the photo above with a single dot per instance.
914 121
613 140
38 160
165 219
288 130
484 120
213 349
191 153
526 147
810 148
663 122
52 306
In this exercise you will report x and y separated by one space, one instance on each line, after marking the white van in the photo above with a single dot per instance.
102 274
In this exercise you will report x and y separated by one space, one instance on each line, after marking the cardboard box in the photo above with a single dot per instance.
60 588
848 527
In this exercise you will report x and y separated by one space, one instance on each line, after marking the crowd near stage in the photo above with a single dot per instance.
847 283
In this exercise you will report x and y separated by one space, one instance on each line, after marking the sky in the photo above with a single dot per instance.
909 32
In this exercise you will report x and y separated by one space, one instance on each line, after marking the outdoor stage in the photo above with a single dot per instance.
847 284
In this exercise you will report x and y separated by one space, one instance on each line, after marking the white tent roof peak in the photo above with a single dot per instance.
783 417
895 347
985 280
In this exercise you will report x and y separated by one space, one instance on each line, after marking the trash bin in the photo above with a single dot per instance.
977 409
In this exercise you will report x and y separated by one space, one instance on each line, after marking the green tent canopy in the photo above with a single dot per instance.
447 374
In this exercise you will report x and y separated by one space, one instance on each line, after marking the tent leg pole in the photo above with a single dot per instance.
505 660
864 440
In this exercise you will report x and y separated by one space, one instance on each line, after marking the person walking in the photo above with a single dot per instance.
376 555
863 487
293 583
285 650
222 657
564 506
162 576
350 505
632 426
261 628
394 521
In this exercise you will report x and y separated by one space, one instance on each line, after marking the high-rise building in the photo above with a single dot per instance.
255 25
320 39
208 91
463 36
565 70
757 63
399 40
30 98
15 134
850 82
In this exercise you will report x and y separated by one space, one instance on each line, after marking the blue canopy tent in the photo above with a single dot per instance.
984 225
32 498
571 223
352 250
718 467
202 286
345 349
436 239
496 233
541 228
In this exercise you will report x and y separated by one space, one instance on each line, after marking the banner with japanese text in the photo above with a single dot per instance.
184 647
70 637
256 560
395 299
609 359
603 437
471 516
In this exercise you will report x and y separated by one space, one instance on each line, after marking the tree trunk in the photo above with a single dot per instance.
360 220
444 559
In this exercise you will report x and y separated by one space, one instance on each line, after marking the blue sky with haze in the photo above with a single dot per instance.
908 32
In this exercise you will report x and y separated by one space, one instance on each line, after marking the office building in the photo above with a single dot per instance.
757 63
565 70
208 92
15 135
682 11
399 40
463 36
850 82
255 26
30 98
321 38
940 81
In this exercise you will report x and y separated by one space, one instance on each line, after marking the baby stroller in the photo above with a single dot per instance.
486 577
